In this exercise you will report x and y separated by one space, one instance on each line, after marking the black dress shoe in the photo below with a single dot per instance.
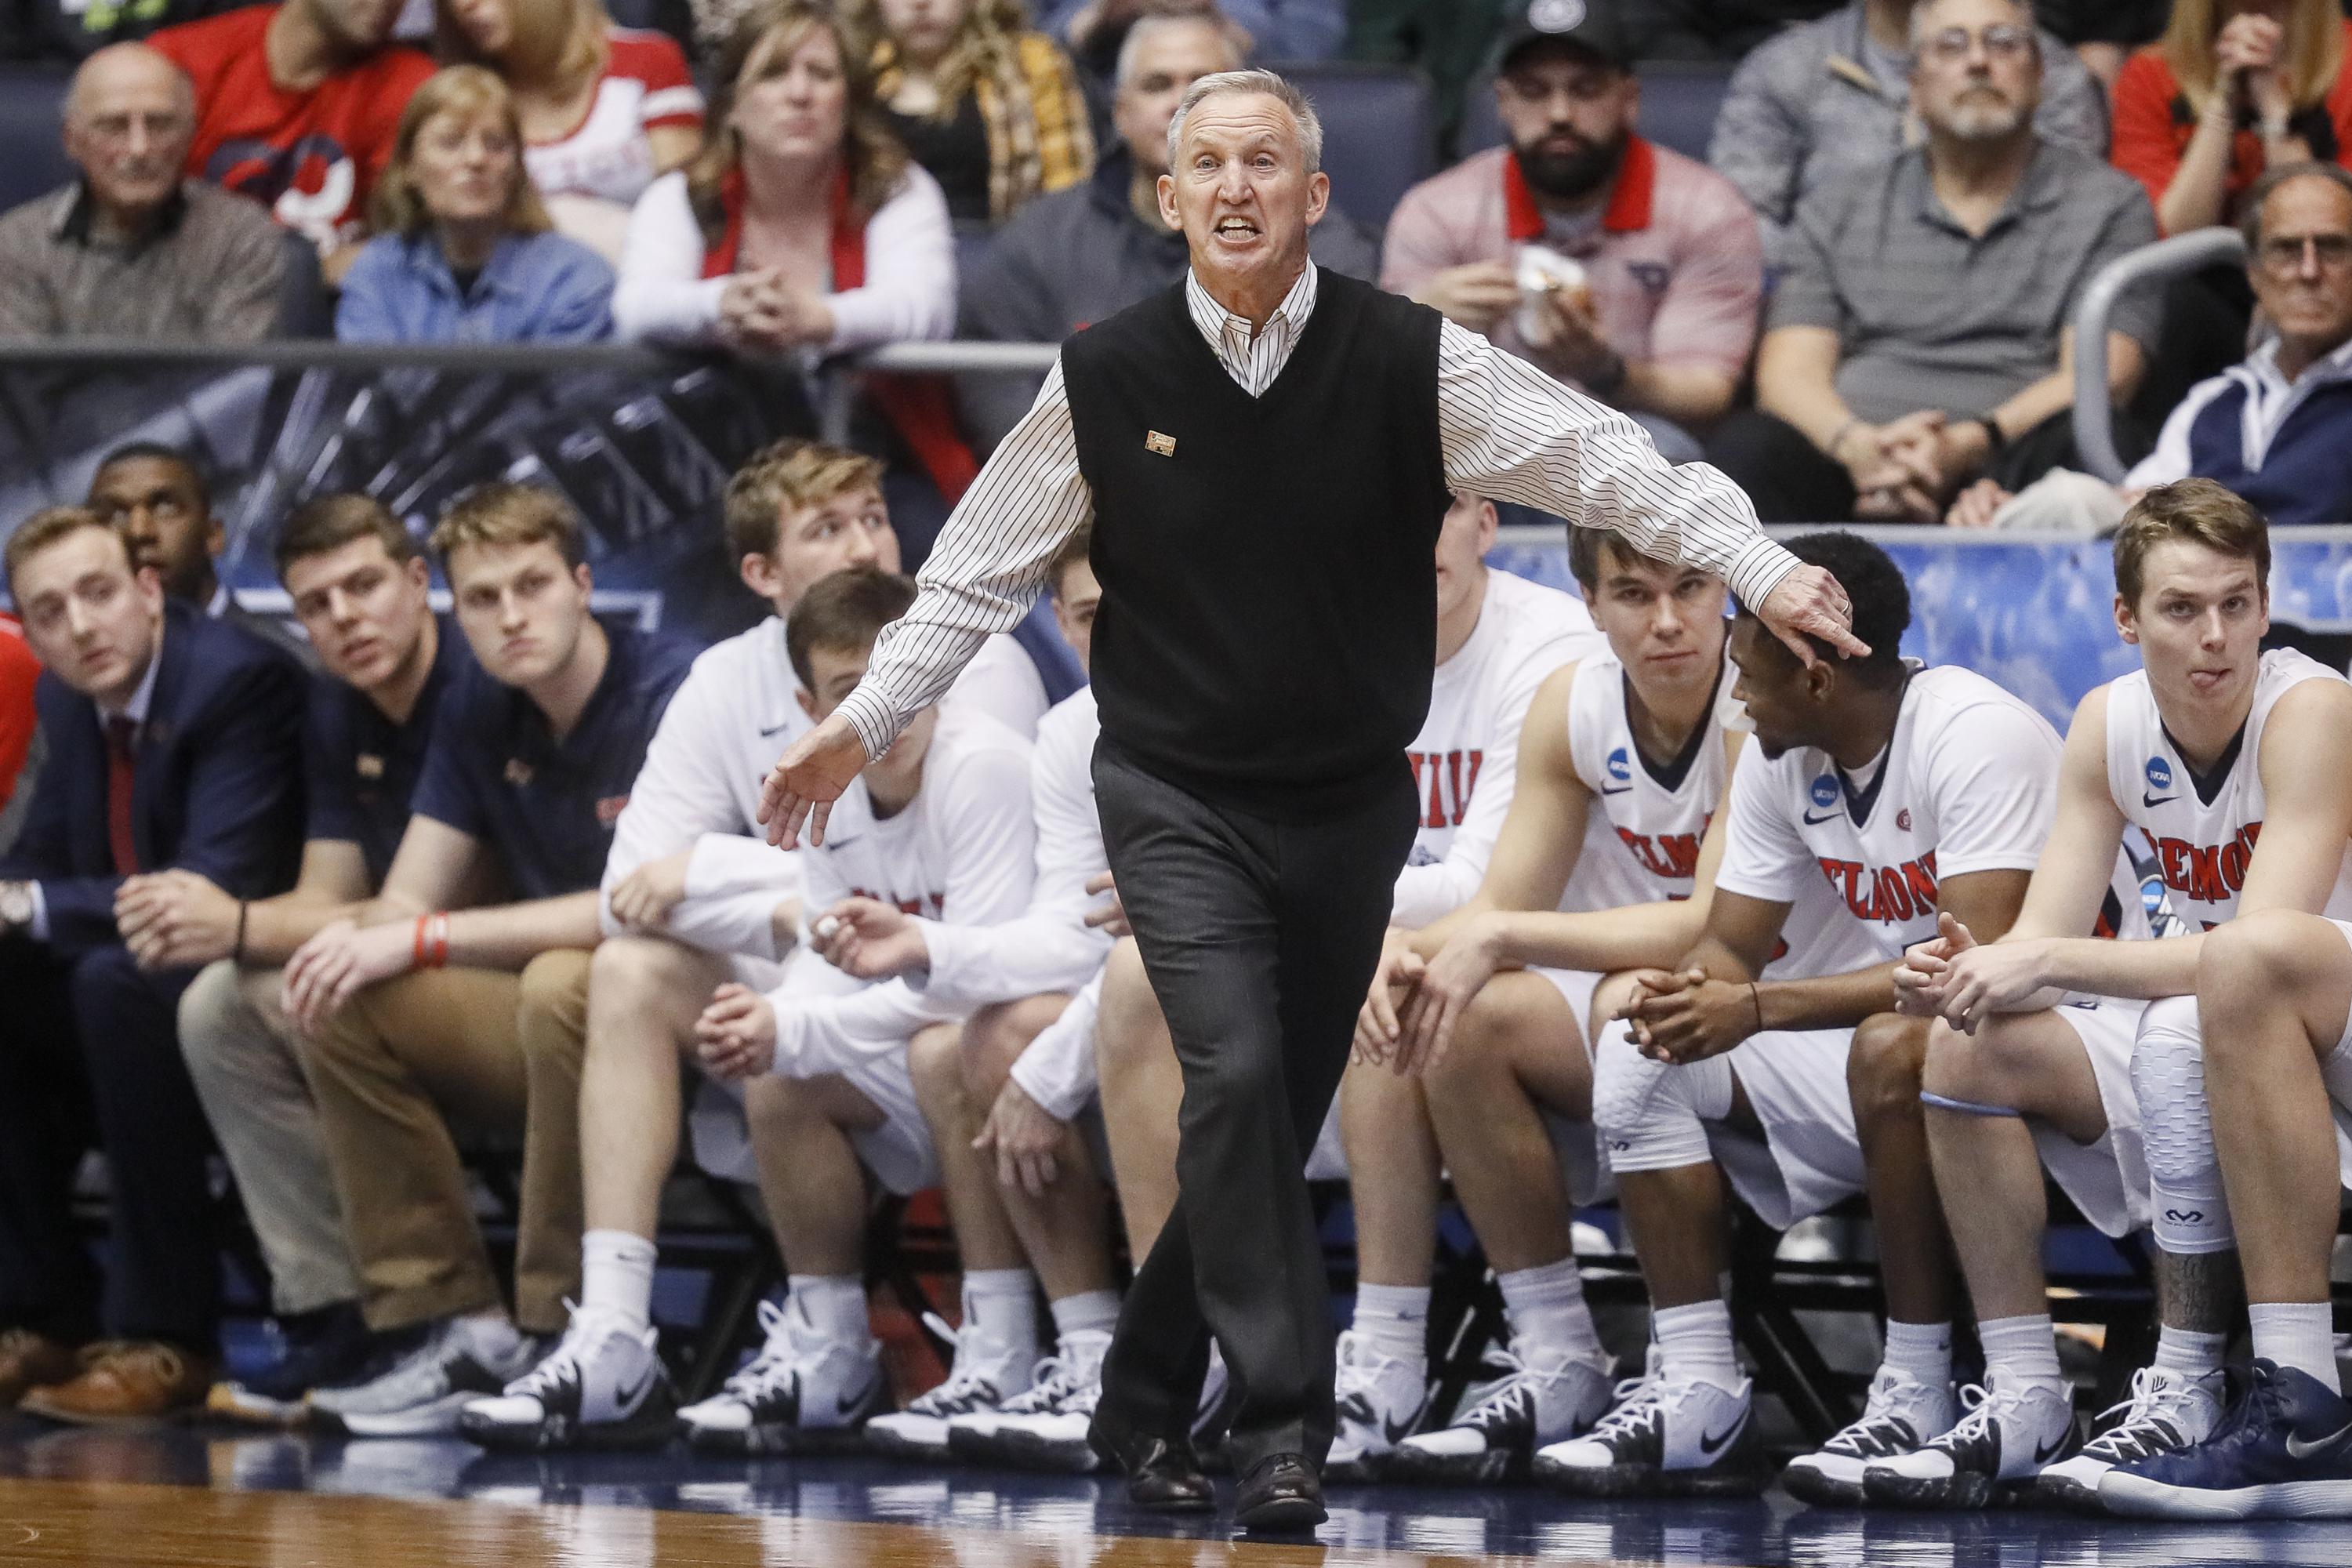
1281 1494
1162 1476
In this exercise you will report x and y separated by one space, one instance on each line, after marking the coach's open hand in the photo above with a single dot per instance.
1808 602
807 779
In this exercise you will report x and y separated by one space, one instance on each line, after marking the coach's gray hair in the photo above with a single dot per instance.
1153 22
1302 112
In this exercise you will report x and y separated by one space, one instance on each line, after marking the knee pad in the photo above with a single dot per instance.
2167 1071
1651 1115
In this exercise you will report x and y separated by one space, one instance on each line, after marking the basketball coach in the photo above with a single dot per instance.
1265 451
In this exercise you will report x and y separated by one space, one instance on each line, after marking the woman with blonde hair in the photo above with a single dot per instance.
464 249
605 110
802 229
991 108
2234 88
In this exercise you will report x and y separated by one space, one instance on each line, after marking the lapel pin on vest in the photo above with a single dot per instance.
1153 441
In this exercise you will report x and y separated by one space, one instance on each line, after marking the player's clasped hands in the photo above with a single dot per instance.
1687 1016
1954 977
736 1035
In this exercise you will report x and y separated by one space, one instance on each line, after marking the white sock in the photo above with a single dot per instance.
1695 1343
2300 1334
1088 1311
1002 1303
834 1305
2187 1353
1921 1352
616 1277
1394 1319
2024 1347
1550 1322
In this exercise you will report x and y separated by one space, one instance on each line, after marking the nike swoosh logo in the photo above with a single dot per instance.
1709 1445
2151 801
775 729
1812 821
1621 789
2296 1449
1396 1429
847 1403
2045 1452
628 1397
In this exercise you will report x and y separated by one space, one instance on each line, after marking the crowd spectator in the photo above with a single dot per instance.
604 110
131 248
1279 30
1833 96
160 499
1084 254
993 110
1625 269
802 227
1919 337
465 250
358 585
2235 86
2273 429
297 105
174 742
19 728
2103 32
1451 40
430 1002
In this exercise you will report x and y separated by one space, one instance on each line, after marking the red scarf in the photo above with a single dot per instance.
921 408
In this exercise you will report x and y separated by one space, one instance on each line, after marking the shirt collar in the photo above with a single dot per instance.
1631 203
422 252
1214 321
75 216
143 698
2037 187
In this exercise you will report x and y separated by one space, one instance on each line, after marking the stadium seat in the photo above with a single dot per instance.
1380 132
32 109
1680 99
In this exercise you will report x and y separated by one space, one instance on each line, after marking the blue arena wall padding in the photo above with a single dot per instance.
2036 617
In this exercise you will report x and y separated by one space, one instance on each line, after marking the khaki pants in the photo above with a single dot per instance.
242 1053
487 1049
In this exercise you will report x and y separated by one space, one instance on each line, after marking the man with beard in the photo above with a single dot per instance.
1918 336
1664 317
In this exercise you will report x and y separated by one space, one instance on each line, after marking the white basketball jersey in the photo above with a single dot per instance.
1968 782
2202 830
1643 844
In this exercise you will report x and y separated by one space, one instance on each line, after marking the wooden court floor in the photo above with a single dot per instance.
144 1526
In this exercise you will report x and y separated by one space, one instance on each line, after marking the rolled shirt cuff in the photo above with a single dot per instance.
869 714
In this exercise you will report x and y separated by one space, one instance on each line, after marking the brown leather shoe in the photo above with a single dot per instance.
30 1360
126 1382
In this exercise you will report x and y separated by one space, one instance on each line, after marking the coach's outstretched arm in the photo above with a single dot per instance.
1507 431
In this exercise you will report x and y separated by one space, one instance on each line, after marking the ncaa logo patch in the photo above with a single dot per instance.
1825 792
2159 773
1555 15
1620 765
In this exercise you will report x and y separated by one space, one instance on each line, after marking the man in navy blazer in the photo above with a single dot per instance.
173 742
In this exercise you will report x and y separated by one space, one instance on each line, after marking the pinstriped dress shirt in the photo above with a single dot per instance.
1508 431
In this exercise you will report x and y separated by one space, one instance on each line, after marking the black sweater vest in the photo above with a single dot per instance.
1268 625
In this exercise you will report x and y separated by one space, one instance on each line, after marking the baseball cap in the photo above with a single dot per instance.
1587 26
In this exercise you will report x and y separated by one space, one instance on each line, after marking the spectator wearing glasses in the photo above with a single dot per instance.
991 109
1830 98
1919 337
465 251
2273 429
604 110
131 248
1624 269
